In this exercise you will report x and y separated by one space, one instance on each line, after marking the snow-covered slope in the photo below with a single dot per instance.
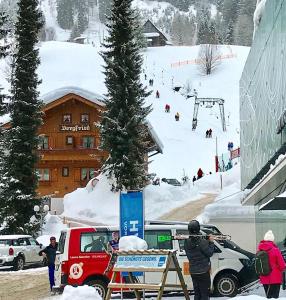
68 64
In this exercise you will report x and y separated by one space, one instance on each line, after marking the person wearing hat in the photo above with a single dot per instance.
50 254
199 250
273 280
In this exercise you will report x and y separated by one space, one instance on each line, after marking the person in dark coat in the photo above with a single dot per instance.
50 254
273 280
194 179
157 94
199 251
177 116
207 134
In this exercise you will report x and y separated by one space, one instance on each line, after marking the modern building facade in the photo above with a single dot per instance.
262 107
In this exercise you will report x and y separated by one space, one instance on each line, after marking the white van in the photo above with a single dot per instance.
232 267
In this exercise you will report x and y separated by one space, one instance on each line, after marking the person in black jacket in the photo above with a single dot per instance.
199 251
50 254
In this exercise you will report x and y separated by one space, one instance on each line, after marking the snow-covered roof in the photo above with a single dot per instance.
151 34
155 137
61 92
14 236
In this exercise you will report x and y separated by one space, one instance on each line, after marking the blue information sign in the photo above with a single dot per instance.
132 214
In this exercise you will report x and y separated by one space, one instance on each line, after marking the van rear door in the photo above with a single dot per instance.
159 239
60 257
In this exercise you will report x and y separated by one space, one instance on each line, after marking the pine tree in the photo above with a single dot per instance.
123 132
4 51
18 195
81 7
65 13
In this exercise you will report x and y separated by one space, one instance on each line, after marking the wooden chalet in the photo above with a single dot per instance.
154 36
69 138
69 154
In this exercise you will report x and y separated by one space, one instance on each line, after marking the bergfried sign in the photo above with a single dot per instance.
75 128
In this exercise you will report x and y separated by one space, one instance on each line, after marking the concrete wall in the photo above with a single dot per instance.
241 230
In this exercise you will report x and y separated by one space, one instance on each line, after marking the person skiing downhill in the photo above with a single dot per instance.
200 173
272 281
177 116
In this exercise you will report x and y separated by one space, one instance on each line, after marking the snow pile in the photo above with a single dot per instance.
132 242
79 293
228 202
52 227
258 13
99 204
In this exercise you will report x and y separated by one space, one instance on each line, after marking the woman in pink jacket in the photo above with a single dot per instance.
273 280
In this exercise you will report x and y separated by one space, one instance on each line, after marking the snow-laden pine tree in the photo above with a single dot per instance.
123 131
18 195
65 13
4 51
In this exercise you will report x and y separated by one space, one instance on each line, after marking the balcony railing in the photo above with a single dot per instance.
51 149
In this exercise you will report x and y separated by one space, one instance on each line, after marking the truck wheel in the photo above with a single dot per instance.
19 263
226 285
99 285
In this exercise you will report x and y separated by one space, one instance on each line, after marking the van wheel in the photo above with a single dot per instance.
226 285
99 285
19 263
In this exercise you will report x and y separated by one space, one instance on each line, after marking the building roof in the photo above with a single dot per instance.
61 92
156 28
159 145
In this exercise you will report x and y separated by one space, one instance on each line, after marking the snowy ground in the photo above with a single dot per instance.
86 293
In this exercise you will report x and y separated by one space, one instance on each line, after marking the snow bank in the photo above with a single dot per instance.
52 227
79 293
132 242
228 202
99 204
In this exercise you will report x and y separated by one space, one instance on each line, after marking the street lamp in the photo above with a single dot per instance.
41 211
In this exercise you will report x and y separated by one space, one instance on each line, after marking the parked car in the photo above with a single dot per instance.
18 251
76 264
172 181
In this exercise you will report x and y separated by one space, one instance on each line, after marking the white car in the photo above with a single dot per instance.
17 251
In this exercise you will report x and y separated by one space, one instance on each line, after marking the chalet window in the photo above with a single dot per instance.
43 174
65 172
69 140
88 142
43 142
87 173
67 118
84 118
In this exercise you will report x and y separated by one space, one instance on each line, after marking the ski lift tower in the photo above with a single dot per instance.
208 103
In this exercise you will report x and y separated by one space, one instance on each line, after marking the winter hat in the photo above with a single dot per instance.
269 236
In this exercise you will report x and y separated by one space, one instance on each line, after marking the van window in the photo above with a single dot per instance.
93 241
181 242
62 240
158 239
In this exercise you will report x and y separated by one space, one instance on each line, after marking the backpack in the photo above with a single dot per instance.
261 264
